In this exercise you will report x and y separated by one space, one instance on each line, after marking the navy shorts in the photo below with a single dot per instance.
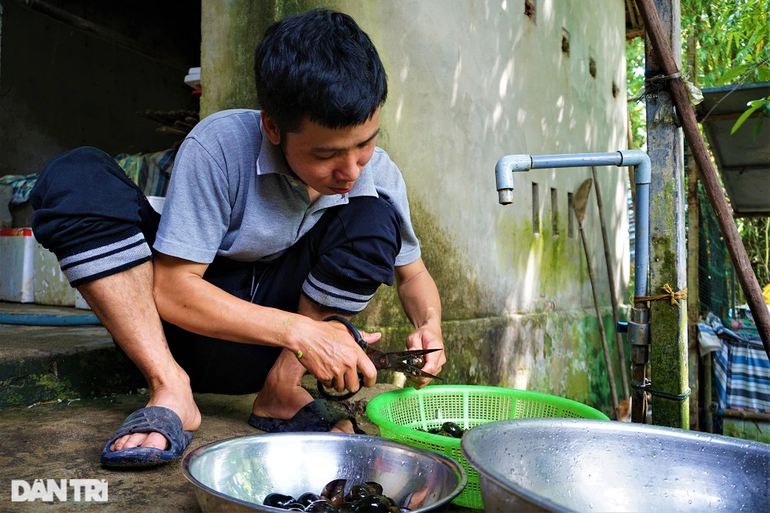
98 223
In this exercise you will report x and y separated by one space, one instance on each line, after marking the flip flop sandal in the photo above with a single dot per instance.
147 420
315 416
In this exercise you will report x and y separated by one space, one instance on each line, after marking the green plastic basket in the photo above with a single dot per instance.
405 416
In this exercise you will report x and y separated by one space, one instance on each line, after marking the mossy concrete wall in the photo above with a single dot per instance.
747 429
470 82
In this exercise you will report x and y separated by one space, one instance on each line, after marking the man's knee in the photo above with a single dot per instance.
90 214
373 220
358 254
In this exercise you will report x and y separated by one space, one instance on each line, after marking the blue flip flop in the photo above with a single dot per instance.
146 420
316 416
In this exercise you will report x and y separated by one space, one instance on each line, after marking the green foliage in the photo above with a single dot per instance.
755 234
732 46
762 106
732 40
635 85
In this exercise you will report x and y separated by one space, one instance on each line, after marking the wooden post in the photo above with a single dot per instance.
668 326
693 287
613 293
693 260
230 31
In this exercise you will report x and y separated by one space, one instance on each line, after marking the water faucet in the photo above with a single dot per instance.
504 175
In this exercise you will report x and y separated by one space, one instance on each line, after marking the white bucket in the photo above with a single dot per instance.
156 202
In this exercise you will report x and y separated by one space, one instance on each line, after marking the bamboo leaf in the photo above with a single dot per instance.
744 117
732 74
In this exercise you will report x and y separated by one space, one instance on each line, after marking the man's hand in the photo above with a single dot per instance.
329 351
427 336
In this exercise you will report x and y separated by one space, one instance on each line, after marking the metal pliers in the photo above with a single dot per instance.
400 361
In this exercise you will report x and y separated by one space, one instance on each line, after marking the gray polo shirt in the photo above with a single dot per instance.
232 194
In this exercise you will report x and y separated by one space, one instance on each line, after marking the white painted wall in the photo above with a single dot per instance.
472 81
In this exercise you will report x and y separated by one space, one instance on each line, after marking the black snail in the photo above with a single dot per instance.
362 498
448 429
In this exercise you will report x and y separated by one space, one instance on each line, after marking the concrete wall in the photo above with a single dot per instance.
61 87
470 82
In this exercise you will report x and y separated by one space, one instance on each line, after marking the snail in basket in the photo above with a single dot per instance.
449 429
365 498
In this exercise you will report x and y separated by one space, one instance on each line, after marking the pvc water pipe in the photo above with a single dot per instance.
49 319
639 323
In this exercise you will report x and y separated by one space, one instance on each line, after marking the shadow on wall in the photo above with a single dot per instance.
483 80
479 81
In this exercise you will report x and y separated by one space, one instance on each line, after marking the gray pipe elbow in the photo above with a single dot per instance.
640 159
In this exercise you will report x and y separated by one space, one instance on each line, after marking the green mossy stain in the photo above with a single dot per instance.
462 296
668 355
574 367
547 346
578 387
747 429
32 388
558 257
230 32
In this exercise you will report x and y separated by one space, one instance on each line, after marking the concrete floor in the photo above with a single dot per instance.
63 439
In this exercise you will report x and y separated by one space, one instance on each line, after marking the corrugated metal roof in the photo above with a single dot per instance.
742 159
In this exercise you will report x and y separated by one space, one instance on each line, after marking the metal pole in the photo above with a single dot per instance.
693 259
708 370
693 284
639 323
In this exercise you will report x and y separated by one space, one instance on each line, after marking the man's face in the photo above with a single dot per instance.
327 160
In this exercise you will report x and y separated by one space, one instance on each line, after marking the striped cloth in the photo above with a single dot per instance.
22 186
741 368
150 171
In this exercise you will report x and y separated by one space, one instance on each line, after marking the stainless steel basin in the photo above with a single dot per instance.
595 466
237 474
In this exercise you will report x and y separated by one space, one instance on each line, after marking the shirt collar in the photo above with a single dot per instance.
364 186
271 159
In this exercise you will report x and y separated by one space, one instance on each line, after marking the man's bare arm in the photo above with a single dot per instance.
422 304
185 299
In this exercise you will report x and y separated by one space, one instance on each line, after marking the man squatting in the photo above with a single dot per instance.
274 220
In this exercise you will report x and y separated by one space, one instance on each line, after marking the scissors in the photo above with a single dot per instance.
400 361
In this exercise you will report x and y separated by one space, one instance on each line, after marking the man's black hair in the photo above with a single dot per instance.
319 65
